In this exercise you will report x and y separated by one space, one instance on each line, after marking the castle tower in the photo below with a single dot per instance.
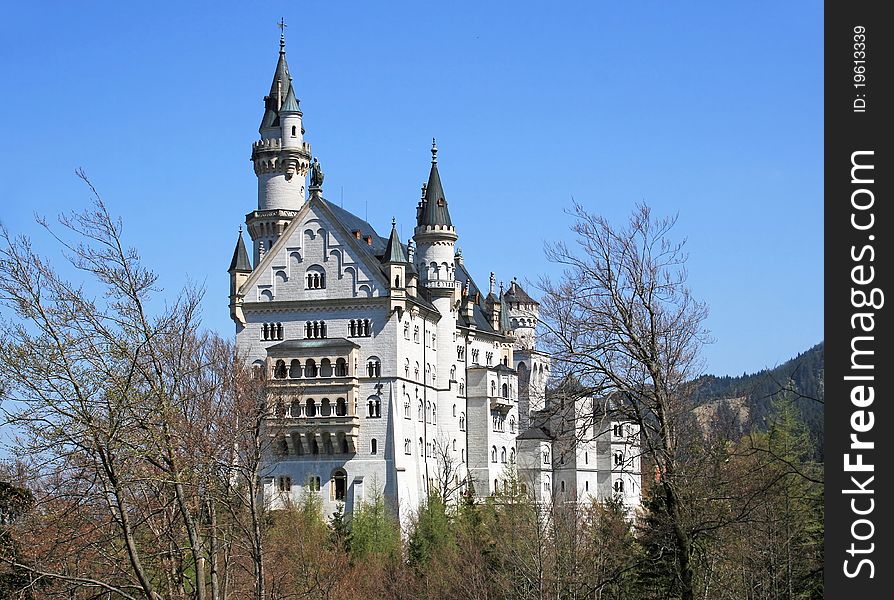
532 365
281 160
435 238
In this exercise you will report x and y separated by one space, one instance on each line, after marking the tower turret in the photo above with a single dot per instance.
435 234
523 312
281 160
395 263
240 269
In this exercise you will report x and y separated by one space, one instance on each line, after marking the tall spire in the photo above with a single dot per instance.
279 88
434 205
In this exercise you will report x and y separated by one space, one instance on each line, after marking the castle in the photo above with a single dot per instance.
388 369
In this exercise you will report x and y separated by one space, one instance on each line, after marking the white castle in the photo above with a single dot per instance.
388 368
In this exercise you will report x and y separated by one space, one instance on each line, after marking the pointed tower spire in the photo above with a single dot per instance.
240 262
434 205
394 250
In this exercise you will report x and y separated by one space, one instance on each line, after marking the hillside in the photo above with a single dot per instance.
802 374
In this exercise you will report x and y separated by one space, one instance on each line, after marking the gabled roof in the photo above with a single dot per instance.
240 262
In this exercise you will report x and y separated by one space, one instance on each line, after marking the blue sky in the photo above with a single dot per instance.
711 110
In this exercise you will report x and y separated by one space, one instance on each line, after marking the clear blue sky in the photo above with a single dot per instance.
712 110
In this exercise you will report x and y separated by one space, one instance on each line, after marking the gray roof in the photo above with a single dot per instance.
434 205
534 433
282 81
313 344
516 295
290 104
394 251
353 223
240 260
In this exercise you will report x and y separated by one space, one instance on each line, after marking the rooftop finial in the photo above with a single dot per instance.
434 152
240 230
393 222
282 35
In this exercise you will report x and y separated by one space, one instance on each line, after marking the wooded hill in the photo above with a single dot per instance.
801 378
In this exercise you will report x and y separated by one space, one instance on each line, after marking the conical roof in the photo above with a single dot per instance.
434 209
240 260
394 250
290 104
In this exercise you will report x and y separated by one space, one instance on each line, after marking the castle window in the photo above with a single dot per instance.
562 485
352 328
373 446
462 455
416 334
339 488
619 486
503 454
344 445
313 483
295 409
586 486
311 409
460 353
341 368
619 459
419 415
505 390
490 358
315 329
325 368
310 368
271 331
325 408
617 430
462 421
294 128
454 445
295 369
374 407
586 458
512 424
546 457
417 371
373 367
493 454
407 446
407 408
453 373
505 361
284 484
315 278
407 368
475 355
512 455
279 371
341 407
493 388
454 410
462 388
406 331
421 447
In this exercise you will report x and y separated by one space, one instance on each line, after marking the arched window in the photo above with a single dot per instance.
294 129
310 368
295 369
313 483
341 368
295 409
493 454
453 373
373 446
493 388
505 390
407 408
462 388
512 455
352 328
462 421
586 486
462 455
454 445
419 415
496 487
503 454
325 408
373 367
562 485
310 409
454 410
339 490
421 447
416 334
428 412
417 371
512 424
341 408
279 372
616 430
546 457
325 368
406 331
407 446
265 332
619 486
279 331
619 459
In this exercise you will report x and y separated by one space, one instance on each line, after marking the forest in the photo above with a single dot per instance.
141 440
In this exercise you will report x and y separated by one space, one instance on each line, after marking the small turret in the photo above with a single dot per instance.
395 263
434 234
240 269
523 313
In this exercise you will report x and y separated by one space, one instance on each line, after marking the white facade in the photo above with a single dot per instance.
387 366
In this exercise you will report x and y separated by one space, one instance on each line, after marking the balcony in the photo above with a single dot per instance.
500 403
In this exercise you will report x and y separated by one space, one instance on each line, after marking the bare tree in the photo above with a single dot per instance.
622 324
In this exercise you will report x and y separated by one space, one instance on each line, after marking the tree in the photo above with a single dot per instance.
622 323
